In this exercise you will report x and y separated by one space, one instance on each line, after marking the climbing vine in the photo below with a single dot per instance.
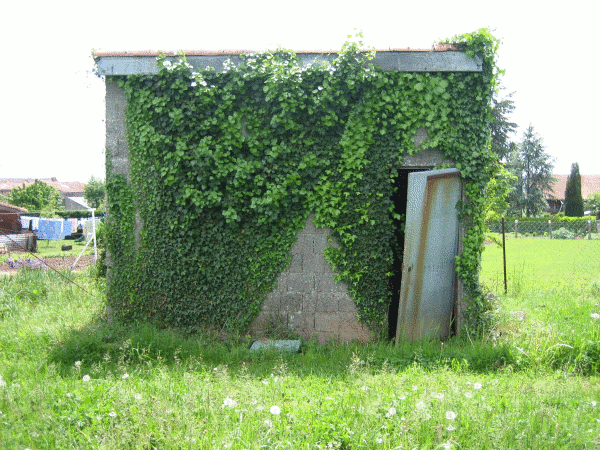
227 165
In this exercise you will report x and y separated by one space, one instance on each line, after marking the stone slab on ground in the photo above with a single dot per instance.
292 346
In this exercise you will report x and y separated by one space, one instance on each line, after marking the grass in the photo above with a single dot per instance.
52 249
72 380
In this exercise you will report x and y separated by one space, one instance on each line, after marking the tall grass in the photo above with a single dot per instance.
70 379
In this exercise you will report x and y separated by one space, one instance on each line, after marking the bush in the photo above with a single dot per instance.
563 233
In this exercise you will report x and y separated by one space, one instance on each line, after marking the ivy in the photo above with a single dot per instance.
227 165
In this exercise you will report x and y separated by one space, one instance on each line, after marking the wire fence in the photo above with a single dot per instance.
547 228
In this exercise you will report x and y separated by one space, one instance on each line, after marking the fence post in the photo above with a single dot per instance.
504 257
516 226
589 229
550 228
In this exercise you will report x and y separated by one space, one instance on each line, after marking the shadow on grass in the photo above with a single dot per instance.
143 345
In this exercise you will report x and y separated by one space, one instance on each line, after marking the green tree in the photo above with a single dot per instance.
94 192
592 203
501 126
532 167
37 196
573 198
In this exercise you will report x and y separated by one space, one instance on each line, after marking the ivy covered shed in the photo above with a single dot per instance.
332 194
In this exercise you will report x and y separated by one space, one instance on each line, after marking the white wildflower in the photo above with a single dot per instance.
112 414
469 394
391 412
595 316
124 376
438 396
268 423
594 404
230 403
77 363
414 388
86 378
275 410
450 428
2 382
477 386
450 415
138 396
193 84
421 405
379 440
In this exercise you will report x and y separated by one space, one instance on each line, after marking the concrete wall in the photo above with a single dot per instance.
307 300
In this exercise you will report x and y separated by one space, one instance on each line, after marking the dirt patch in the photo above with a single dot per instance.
62 262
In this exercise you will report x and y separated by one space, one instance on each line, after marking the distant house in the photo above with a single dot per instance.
10 218
556 197
71 192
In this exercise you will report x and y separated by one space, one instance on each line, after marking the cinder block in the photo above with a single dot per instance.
309 302
291 303
306 243
273 301
300 282
301 323
326 303
328 323
296 263
320 242
325 283
345 303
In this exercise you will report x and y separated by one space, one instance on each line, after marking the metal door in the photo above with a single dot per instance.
428 287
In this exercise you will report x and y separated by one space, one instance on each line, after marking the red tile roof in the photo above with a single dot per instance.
7 206
64 187
589 185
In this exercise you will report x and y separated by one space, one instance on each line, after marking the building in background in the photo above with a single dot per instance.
71 192
556 197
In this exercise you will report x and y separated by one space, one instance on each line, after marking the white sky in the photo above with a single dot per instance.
53 109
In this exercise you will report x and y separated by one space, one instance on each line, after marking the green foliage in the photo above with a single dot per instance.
532 167
502 128
36 196
94 192
562 233
592 203
226 166
573 198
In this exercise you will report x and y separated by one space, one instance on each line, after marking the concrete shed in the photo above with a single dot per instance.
307 300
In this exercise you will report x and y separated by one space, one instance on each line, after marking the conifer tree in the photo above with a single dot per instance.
573 197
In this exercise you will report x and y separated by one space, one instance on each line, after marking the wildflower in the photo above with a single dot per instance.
268 423
86 378
265 382
477 386
365 388
414 388
275 410
391 412
124 376
450 415
450 428
421 405
595 316
379 440
112 414
438 396
138 396
77 363
2 382
469 394
229 403
193 84
594 404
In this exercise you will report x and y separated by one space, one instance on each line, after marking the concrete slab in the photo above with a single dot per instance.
284 346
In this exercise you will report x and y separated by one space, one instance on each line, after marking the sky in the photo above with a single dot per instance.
53 121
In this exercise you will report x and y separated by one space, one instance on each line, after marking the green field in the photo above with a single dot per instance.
71 380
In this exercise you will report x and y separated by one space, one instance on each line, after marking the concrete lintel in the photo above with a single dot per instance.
413 61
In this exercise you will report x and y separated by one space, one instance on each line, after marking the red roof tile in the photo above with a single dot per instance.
589 185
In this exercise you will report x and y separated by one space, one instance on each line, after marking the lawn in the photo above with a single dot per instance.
71 380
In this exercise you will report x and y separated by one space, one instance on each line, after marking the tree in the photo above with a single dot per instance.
532 166
37 196
592 204
94 192
501 126
573 198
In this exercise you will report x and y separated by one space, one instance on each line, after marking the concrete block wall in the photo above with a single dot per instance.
307 300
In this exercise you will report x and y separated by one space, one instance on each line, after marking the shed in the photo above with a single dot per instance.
347 260
10 218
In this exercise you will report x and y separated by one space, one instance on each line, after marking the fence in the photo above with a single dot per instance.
547 228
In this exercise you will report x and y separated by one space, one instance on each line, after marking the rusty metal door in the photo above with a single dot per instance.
427 292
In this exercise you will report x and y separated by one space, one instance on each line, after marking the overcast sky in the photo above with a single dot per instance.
53 108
